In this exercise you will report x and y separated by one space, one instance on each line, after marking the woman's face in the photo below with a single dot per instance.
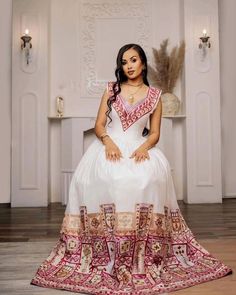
132 64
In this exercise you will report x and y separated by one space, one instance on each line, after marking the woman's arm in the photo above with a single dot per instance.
141 153
112 151
101 119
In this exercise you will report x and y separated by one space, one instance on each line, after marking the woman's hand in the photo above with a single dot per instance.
112 151
139 155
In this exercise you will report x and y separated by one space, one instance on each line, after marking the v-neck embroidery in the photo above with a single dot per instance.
130 107
128 118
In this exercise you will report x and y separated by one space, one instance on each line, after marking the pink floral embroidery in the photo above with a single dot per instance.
149 253
129 116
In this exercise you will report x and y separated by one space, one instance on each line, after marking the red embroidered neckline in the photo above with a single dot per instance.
129 117
130 107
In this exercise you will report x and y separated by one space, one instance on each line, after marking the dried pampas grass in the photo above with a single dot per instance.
168 67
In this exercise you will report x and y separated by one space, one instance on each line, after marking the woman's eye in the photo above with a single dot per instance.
123 63
134 60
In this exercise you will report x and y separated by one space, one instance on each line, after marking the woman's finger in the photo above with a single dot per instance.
137 159
133 155
112 156
115 156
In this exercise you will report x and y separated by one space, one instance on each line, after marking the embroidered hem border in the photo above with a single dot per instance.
127 253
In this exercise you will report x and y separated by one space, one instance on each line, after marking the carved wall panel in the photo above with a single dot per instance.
100 24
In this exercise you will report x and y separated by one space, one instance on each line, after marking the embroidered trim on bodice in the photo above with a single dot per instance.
129 115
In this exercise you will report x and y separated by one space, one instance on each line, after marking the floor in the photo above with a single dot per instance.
28 234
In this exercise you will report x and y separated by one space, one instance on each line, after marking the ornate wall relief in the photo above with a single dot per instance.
101 21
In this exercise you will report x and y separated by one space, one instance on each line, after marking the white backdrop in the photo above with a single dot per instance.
84 43
69 55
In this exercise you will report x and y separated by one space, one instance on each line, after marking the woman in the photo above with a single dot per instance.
123 232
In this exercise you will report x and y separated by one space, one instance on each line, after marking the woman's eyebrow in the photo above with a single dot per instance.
130 57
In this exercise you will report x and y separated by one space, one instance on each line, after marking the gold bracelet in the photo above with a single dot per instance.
103 136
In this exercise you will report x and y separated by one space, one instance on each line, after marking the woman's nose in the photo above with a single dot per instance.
129 66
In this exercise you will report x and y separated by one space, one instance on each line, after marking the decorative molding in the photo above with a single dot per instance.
30 89
203 140
203 133
91 10
29 141
229 195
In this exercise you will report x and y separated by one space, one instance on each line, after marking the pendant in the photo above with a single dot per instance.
131 99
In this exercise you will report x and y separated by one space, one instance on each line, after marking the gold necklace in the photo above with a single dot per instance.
131 96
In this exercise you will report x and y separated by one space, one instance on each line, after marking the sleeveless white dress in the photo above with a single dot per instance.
123 232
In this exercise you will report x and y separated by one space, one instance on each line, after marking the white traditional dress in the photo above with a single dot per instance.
123 232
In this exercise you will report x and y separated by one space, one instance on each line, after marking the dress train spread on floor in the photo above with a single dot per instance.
123 232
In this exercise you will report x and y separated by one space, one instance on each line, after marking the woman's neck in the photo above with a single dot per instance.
135 82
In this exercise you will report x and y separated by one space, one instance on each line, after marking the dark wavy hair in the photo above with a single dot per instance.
121 77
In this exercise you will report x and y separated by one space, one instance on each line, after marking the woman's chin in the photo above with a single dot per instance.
133 77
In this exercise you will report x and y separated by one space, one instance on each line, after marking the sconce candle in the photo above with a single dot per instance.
204 32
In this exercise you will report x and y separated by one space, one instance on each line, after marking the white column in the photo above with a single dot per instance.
30 105
202 103
5 98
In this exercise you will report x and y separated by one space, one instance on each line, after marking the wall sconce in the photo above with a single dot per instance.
204 40
26 45
204 43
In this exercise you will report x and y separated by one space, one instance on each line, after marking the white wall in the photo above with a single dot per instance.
227 20
77 57
5 99
228 101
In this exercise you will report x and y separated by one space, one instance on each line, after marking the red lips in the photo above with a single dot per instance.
130 72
